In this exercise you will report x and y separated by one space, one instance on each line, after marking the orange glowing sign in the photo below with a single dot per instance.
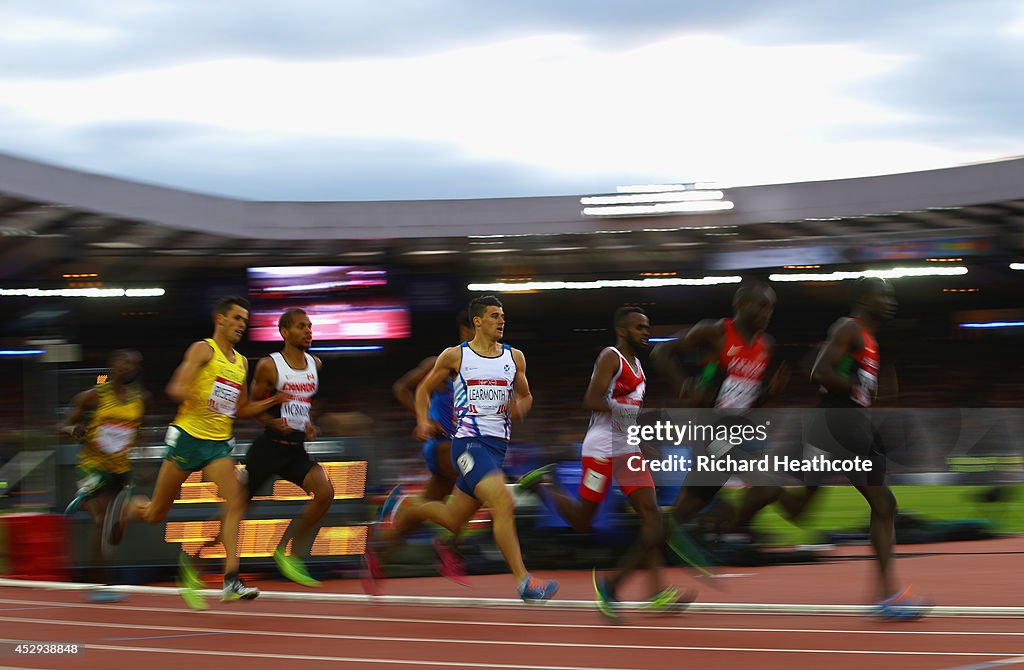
348 477
259 538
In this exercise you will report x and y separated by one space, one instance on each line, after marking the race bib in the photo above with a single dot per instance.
595 481
112 438
224 397
738 392
465 463
487 397
865 390
296 413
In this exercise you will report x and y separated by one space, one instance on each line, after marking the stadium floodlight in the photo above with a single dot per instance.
892 273
82 292
636 198
662 208
649 282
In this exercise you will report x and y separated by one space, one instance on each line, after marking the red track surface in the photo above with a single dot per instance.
156 632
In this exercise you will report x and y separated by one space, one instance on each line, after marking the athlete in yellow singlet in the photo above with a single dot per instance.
106 418
210 387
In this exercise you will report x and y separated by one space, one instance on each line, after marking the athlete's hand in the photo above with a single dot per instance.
312 432
426 430
76 432
278 398
515 413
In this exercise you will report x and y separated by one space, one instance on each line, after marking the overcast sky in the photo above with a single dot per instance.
408 99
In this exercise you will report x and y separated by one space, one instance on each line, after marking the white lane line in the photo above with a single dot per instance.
522 624
490 643
515 603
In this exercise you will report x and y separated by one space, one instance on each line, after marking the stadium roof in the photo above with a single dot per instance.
55 220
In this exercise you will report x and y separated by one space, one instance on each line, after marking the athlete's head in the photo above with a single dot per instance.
875 297
753 305
465 324
231 316
125 365
633 326
296 328
488 316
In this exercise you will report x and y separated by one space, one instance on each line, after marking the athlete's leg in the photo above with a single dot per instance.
692 499
321 489
647 544
222 473
883 532
452 515
494 495
168 484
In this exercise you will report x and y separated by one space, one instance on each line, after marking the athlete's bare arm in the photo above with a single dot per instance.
522 402
778 374
405 388
247 410
264 381
445 366
707 338
595 399
73 423
196 356
844 339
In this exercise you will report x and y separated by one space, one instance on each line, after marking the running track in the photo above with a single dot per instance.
971 581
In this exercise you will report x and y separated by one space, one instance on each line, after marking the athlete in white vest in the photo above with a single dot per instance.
490 392
281 450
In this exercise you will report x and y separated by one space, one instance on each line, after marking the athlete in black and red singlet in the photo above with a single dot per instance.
848 371
736 354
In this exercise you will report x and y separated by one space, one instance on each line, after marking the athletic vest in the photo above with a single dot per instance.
482 391
861 367
301 385
606 436
214 390
112 429
744 365
441 409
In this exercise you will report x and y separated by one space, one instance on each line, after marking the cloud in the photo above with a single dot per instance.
491 98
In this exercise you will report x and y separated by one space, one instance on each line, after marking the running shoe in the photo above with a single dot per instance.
533 478
77 502
605 602
293 569
103 596
670 600
373 575
188 576
535 589
194 598
902 607
234 589
449 563
190 585
114 521
686 548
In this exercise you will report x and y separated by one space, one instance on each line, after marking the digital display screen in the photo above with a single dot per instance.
365 319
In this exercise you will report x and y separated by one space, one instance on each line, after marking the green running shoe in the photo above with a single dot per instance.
293 569
605 603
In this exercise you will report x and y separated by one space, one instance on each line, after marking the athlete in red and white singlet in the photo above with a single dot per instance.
625 396
744 363
615 395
